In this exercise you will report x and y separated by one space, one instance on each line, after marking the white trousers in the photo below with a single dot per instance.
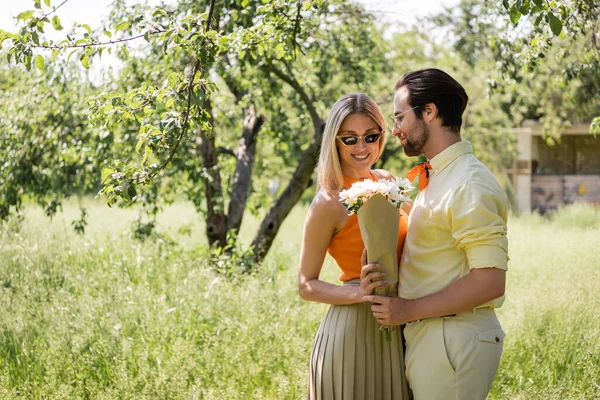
453 358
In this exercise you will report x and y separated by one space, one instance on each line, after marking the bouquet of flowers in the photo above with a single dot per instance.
377 205
394 191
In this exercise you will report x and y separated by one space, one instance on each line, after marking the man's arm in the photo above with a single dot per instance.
477 220
474 289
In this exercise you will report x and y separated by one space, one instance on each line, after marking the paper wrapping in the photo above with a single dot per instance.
379 222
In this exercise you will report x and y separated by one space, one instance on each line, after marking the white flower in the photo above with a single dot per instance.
395 191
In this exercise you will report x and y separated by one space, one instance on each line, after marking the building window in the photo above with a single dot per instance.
573 155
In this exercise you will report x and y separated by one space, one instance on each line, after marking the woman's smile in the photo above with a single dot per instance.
361 157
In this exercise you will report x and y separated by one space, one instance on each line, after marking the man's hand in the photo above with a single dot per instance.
472 290
390 310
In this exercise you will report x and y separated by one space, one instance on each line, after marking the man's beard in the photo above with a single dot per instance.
414 146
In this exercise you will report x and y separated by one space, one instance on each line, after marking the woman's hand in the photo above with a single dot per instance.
370 277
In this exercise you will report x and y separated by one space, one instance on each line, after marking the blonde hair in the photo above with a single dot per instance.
330 171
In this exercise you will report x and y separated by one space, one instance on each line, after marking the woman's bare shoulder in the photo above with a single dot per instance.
383 174
327 206
326 213
326 201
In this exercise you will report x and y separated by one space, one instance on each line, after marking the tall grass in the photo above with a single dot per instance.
552 308
104 316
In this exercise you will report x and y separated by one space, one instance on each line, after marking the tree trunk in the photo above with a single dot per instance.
216 220
290 196
242 177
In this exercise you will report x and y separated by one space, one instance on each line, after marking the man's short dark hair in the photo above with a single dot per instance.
432 85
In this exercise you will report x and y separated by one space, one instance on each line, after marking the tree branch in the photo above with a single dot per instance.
82 46
227 151
230 81
190 90
53 11
211 10
291 80
287 200
242 177
297 24
300 179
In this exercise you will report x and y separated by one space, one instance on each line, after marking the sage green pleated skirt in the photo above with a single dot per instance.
352 360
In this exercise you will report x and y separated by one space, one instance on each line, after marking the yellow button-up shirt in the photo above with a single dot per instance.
457 223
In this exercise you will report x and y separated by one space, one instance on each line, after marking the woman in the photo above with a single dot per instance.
351 358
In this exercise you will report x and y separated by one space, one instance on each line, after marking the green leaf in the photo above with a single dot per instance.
172 79
37 4
223 41
56 23
564 13
47 3
538 3
39 62
131 192
519 3
107 172
25 15
86 27
139 145
122 26
108 33
148 111
27 62
125 52
306 5
536 9
595 126
539 19
515 15
160 12
280 50
245 3
85 61
505 4
147 154
111 200
555 24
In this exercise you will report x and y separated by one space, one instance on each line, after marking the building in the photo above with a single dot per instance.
551 176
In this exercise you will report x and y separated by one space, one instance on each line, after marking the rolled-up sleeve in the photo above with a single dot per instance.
478 223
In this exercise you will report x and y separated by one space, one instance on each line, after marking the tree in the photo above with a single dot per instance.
534 74
48 152
563 33
215 88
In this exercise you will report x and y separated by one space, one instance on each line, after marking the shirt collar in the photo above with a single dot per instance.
449 154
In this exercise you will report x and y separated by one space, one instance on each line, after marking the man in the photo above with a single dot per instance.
453 267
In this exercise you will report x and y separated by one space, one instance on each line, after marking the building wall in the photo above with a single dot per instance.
546 177
548 192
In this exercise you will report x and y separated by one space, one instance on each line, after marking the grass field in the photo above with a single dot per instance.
104 316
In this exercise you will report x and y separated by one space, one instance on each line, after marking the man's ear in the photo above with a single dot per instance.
430 112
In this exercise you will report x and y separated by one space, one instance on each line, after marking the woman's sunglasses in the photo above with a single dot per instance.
352 140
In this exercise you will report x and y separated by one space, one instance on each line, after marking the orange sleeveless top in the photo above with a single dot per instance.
346 246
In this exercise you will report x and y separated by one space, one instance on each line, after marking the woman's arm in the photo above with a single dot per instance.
323 217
